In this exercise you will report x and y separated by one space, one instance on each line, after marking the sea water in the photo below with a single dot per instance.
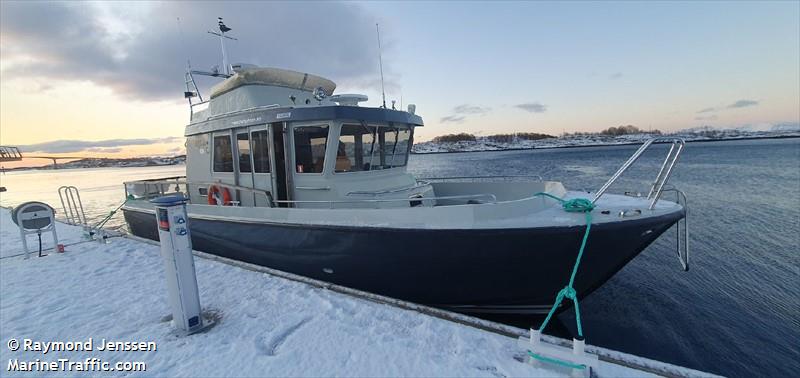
736 312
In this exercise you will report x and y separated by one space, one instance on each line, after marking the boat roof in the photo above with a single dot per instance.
313 113
273 77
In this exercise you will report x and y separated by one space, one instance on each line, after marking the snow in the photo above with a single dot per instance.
269 326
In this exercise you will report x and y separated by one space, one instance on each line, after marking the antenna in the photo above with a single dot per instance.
183 42
222 30
380 62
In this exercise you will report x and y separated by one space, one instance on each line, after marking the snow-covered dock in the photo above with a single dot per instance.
270 324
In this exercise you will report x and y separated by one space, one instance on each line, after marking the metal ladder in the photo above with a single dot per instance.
72 205
658 187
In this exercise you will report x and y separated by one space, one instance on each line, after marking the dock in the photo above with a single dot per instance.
111 297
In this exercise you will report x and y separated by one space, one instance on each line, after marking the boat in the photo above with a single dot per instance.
284 173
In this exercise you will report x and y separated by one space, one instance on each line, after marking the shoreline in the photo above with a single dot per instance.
606 145
42 168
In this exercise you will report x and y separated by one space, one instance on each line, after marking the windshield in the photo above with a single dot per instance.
370 148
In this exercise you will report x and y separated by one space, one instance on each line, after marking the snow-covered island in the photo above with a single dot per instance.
109 162
626 135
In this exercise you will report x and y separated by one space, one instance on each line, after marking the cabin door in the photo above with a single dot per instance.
252 146
280 185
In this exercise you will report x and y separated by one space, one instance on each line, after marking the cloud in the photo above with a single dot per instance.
105 150
735 105
460 113
532 107
712 117
452 119
109 145
742 104
471 109
615 75
139 49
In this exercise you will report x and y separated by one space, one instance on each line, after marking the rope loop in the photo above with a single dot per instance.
568 292
577 205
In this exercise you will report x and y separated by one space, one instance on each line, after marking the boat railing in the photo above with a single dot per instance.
159 187
656 188
331 203
239 111
419 185
476 178
681 228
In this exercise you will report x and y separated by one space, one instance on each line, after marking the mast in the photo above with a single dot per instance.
380 62
222 30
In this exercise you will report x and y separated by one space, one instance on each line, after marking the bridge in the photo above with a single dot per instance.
10 153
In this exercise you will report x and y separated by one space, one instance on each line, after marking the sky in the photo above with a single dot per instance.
106 78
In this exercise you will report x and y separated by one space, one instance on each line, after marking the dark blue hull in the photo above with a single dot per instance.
473 271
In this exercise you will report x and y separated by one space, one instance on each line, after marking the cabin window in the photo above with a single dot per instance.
243 144
369 148
309 148
396 146
260 151
223 154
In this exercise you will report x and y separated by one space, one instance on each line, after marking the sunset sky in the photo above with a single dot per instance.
106 79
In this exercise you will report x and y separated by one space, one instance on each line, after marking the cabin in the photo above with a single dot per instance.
277 137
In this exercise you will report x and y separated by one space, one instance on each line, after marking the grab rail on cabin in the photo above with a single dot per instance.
159 186
664 172
239 111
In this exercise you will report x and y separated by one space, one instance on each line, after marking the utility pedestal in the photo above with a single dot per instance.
176 251
34 218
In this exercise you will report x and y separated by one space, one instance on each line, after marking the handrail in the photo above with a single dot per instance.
419 184
313 187
261 107
663 174
73 208
491 197
682 229
169 181
157 179
480 177
174 180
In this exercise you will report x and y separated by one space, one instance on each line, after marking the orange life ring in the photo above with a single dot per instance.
214 193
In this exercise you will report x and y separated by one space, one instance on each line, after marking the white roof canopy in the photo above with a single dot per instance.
274 77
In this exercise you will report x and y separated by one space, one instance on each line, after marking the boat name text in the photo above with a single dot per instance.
246 120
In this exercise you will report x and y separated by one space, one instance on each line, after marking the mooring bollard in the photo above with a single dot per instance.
176 251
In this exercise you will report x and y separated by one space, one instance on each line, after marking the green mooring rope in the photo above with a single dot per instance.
110 215
577 205
556 361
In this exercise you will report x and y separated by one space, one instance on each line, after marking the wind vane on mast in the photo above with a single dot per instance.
222 30
227 71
